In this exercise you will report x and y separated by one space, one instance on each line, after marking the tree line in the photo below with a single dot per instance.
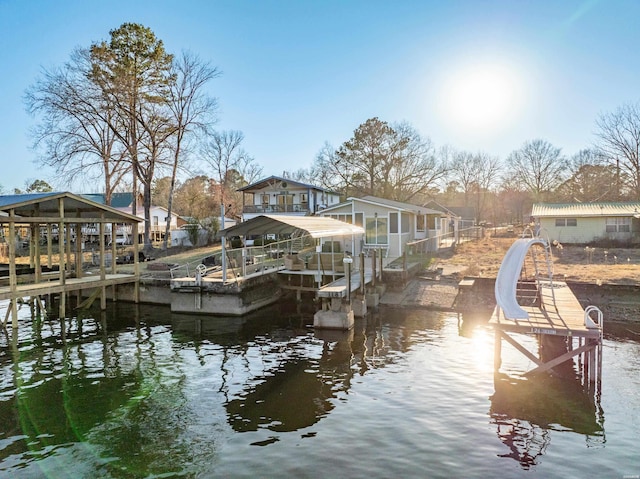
125 114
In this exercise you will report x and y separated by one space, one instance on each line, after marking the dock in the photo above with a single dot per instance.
34 220
545 308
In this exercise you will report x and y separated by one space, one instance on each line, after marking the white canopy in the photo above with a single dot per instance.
316 226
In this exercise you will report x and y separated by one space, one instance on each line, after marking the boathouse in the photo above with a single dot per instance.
30 225
300 253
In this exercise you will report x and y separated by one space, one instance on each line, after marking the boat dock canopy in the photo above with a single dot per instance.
315 226
47 205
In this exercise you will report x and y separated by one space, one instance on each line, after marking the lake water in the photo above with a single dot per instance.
139 392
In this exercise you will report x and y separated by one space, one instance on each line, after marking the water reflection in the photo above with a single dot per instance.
139 392
524 411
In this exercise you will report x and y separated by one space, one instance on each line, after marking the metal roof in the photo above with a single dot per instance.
277 182
46 205
585 209
316 226
373 200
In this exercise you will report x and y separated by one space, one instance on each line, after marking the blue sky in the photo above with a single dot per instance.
478 75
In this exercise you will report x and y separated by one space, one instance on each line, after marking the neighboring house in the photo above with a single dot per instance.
276 195
586 222
124 202
158 216
464 215
389 225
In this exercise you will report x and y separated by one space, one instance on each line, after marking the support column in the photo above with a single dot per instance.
13 278
497 350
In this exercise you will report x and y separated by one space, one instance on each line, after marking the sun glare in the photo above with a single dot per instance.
481 97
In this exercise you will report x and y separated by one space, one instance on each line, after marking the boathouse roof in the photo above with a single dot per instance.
47 205
316 226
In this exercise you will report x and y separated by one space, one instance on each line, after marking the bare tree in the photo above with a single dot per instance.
619 142
539 166
475 173
74 132
192 110
231 166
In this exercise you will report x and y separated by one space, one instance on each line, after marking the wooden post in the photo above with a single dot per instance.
373 265
362 273
49 245
103 291
136 264
497 350
61 262
13 278
79 253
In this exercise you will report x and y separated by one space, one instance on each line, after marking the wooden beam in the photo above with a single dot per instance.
521 348
43 220
561 359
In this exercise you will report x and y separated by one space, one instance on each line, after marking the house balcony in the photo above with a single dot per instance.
300 208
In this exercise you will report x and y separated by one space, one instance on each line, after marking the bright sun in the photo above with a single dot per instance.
481 97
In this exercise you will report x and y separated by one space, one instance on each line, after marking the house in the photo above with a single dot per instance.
389 225
587 222
276 195
123 202
464 215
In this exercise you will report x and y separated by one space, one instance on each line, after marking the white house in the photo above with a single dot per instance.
587 222
276 195
389 225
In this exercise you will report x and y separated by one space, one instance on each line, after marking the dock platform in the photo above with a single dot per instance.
547 309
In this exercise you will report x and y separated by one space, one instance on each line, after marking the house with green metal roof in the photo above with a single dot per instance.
582 223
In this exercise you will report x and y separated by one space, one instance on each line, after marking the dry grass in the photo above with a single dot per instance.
574 263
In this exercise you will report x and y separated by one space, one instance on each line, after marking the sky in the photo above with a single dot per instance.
476 75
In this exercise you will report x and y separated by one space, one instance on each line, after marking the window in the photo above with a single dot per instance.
155 221
376 231
566 222
405 226
359 219
393 223
618 225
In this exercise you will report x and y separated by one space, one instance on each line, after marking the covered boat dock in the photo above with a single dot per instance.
36 221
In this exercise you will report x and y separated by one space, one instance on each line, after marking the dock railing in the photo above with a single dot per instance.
260 259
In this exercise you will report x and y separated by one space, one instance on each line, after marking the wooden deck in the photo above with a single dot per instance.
71 284
338 288
564 318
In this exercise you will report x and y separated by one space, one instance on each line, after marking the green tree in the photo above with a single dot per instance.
392 162
133 72
592 179
35 186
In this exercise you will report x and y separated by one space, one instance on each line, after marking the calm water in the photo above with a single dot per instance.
407 394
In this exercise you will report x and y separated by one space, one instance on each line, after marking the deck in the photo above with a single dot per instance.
564 318
71 284
339 287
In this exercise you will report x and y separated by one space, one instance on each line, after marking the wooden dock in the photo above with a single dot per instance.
548 309
339 287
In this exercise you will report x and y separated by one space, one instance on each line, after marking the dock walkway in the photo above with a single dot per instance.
339 287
